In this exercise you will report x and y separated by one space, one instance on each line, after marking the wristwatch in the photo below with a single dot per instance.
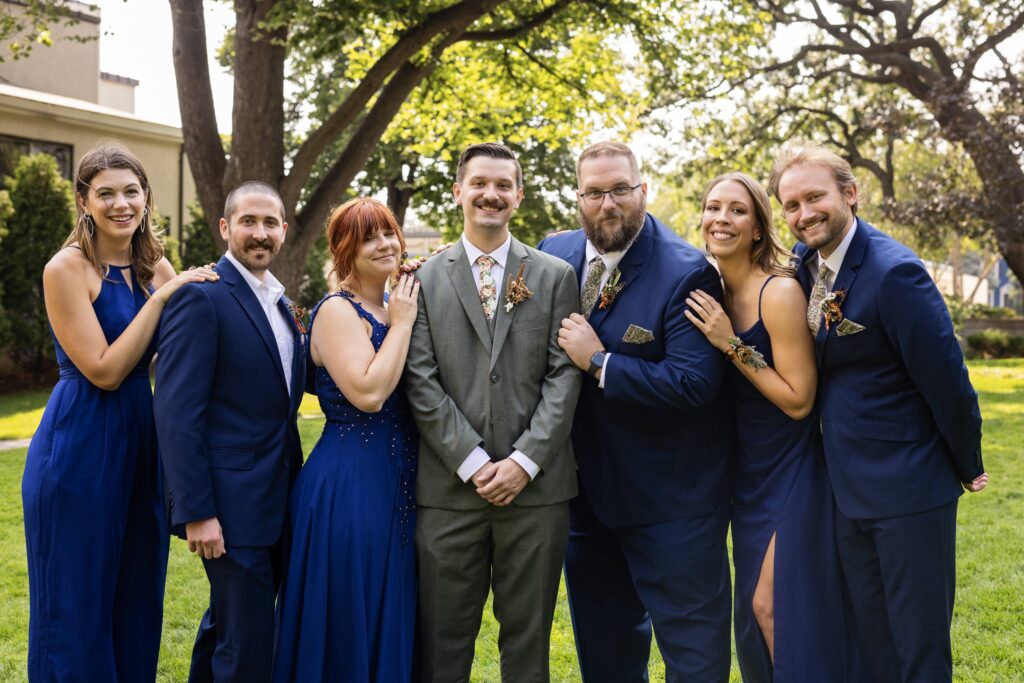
596 363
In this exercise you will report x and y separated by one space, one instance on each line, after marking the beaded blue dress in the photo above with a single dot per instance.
782 488
348 597
95 524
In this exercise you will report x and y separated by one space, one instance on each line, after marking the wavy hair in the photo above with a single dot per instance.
768 253
146 248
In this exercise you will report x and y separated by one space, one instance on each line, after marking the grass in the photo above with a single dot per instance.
988 640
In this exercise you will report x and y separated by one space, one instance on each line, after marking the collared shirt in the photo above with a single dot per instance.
500 256
835 261
611 262
478 457
269 293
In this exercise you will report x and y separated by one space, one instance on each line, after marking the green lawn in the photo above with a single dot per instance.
988 638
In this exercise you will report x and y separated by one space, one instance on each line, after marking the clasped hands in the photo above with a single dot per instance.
579 341
500 482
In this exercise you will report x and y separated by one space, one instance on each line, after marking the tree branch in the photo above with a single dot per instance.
989 44
515 31
456 18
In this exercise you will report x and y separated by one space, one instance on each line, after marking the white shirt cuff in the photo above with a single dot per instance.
604 370
473 462
524 461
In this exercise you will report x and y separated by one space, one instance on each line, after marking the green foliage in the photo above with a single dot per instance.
314 282
960 310
27 24
43 215
995 344
197 247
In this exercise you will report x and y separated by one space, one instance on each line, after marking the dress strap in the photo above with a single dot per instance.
761 294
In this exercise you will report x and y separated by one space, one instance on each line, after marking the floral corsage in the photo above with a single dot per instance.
747 354
517 292
831 307
298 314
611 289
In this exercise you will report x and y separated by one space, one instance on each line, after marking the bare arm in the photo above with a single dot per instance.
67 288
341 343
791 383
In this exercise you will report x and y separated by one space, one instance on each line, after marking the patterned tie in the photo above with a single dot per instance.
590 287
817 296
488 290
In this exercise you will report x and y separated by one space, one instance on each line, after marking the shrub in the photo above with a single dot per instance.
43 213
995 344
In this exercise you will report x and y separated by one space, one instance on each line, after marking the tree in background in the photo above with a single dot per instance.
41 217
351 66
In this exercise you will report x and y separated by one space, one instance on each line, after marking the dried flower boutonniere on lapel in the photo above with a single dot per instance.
745 353
611 289
298 315
517 292
831 307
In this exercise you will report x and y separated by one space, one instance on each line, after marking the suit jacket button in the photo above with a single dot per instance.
495 378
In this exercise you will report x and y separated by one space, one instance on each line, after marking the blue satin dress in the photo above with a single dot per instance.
348 598
782 488
95 523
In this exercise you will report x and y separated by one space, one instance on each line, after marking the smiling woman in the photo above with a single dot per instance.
94 522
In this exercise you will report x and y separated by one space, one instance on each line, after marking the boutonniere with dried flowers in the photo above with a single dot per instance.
298 314
745 353
831 307
516 292
611 289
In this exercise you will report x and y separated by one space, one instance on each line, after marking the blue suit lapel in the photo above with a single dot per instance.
630 267
247 300
845 277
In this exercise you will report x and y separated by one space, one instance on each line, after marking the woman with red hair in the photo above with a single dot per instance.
348 598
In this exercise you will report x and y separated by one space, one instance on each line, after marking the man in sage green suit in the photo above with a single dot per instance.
493 396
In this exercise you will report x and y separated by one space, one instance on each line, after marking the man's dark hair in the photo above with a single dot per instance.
495 150
250 187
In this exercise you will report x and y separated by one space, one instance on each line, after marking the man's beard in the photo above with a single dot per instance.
607 240
253 263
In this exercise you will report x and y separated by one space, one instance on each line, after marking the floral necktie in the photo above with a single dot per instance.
590 287
488 290
817 296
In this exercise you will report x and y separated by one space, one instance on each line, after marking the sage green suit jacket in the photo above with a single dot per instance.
513 389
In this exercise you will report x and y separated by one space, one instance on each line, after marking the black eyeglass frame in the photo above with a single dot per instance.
596 197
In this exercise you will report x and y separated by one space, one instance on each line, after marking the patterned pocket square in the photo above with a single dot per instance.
848 327
637 335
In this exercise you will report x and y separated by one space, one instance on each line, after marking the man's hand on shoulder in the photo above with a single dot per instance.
508 480
205 538
411 265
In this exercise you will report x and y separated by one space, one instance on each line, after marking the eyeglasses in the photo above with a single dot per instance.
619 194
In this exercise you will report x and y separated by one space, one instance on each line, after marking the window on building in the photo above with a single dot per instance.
12 149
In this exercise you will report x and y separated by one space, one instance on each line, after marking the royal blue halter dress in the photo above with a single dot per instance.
782 488
95 523
348 597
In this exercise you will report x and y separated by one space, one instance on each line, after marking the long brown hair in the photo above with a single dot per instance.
146 249
768 253
349 226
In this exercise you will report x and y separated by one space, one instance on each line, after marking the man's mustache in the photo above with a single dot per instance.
253 243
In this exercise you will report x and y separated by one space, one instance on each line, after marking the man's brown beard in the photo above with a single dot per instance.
632 221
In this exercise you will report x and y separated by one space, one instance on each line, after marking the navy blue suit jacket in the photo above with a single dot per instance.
224 417
655 444
900 420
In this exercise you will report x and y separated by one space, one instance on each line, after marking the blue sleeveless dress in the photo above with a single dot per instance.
95 523
348 597
782 488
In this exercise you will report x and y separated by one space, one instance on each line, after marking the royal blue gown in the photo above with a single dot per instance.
782 488
95 523
348 598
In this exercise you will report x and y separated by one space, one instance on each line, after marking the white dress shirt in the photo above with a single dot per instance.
835 261
611 262
478 457
268 293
